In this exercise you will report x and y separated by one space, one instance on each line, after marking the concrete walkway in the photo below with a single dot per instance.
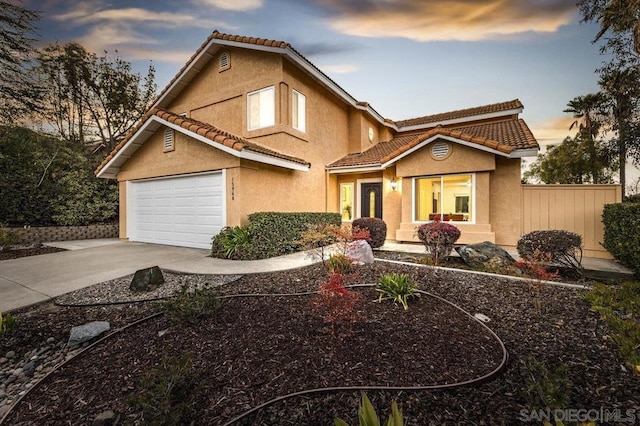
605 267
35 279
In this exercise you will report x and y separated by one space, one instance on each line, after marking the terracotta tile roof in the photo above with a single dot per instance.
461 113
203 129
504 136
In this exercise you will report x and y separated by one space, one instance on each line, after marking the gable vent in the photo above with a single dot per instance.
168 139
224 61
440 150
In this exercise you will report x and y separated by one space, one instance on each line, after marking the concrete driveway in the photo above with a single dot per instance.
34 279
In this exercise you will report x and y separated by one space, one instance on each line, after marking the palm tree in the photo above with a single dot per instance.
623 94
587 111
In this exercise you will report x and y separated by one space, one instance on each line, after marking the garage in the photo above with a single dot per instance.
179 211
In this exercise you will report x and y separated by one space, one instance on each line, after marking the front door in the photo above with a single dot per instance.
371 200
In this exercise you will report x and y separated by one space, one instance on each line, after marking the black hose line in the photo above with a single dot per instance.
472 382
487 377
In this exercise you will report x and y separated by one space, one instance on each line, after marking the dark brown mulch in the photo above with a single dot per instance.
255 349
25 252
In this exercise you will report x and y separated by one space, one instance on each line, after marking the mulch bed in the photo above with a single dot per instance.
30 251
256 349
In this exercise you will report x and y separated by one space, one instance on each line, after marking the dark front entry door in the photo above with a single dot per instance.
371 200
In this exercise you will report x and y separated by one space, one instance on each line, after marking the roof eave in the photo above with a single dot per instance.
355 169
111 169
466 119
524 152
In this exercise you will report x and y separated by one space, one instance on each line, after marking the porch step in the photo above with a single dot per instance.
470 234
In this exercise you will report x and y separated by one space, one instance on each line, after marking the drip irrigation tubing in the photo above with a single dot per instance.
487 377
472 382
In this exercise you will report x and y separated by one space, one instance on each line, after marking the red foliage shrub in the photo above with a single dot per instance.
438 239
336 303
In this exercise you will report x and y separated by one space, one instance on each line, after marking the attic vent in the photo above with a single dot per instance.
224 61
440 150
168 139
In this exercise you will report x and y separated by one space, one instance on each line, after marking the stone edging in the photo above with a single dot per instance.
44 234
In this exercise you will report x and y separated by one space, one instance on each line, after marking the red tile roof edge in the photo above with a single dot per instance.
441 131
462 113
206 130
528 133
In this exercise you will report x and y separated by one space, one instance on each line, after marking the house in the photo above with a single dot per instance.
249 125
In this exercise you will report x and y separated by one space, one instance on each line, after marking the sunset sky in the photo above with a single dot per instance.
407 58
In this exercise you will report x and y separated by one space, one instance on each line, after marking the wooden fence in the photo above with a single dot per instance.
575 208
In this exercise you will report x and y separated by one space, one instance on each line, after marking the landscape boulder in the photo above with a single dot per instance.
485 255
83 333
360 252
147 279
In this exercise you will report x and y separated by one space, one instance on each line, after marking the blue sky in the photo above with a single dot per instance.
407 58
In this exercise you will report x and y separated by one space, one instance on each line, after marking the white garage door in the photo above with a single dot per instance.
182 211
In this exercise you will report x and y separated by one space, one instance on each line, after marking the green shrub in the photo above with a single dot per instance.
438 239
167 393
48 181
274 234
376 227
547 388
620 308
231 242
622 233
339 264
7 323
367 415
396 287
563 248
8 239
189 305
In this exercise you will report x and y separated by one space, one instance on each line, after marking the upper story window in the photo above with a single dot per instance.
299 102
225 61
261 111
169 142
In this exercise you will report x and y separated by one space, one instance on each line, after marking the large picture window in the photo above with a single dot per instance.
261 111
444 198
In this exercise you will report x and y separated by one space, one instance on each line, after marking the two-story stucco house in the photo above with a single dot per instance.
250 125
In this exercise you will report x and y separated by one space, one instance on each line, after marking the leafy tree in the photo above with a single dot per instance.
92 99
619 22
49 181
618 19
19 94
571 163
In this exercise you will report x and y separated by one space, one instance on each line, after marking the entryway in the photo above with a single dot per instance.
371 200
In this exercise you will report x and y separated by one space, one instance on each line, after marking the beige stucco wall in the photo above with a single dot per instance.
220 98
462 159
506 201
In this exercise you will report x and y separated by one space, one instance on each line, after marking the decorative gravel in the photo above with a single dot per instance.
117 291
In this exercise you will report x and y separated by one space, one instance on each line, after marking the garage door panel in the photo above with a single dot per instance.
185 211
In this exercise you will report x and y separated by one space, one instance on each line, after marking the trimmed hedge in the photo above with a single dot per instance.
622 233
274 234
376 227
